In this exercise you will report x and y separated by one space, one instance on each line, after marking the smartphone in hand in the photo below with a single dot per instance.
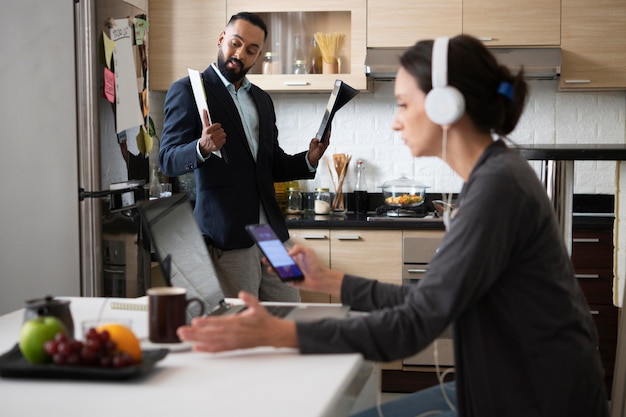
275 252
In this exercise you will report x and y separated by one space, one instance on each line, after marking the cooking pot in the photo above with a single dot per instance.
49 306
404 192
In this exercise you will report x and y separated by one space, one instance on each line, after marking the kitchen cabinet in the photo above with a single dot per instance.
592 257
513 23
369 253
398 23
319 241
391 23
593 45
182 34
287 18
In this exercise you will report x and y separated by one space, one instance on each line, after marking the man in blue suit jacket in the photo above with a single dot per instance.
237 188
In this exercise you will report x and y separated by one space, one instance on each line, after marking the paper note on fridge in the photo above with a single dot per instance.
200 96
127 106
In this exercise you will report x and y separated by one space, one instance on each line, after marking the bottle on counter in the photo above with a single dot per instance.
155 184
361 201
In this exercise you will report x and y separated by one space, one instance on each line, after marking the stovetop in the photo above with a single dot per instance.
418 213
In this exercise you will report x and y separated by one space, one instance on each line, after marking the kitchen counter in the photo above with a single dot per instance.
363 221
573 152
590 212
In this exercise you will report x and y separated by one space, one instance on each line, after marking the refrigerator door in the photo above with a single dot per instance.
39 248
106 156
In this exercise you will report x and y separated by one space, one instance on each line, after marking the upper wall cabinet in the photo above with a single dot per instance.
398 23
392 23
593 45
292 25
182 34
513 22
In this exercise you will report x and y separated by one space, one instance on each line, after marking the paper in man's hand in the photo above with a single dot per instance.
200 96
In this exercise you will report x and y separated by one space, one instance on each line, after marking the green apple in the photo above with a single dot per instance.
35 333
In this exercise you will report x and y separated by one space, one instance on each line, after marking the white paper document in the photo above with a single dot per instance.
200 96
127 105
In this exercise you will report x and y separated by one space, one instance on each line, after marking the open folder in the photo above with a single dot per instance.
341 94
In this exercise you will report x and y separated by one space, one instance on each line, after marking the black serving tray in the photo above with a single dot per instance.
14 365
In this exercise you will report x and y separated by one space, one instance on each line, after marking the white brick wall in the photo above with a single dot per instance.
363 129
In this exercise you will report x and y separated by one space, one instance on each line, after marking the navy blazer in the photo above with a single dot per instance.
228 190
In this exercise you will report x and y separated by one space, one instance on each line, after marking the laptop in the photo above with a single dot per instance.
181 251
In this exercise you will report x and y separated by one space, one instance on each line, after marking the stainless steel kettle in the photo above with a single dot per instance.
49 306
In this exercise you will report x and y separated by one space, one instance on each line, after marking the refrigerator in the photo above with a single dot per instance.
65 148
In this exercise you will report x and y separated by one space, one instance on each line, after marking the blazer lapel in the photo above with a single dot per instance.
219 99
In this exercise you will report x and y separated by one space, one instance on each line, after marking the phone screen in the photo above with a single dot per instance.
275 252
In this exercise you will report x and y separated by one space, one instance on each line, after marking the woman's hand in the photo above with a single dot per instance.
250 328
317 277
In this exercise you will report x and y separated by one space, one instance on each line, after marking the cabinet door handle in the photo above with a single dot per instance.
348 237
310 237
296 83
586 240
416 271
587 276
594 312
486 38
577 81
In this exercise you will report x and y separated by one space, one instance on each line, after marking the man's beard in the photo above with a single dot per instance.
231 75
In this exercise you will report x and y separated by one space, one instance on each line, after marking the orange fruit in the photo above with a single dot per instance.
124 338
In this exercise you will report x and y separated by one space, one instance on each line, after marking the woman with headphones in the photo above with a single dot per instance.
525 343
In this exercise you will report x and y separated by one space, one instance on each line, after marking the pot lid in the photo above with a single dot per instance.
403 182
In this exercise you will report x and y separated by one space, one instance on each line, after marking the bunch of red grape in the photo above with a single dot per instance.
97 350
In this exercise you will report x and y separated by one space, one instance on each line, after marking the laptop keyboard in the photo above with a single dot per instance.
279 311
274 310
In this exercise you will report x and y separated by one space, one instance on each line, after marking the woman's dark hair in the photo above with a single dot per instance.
474 71
253 18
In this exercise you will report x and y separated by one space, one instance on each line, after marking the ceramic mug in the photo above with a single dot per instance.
167 311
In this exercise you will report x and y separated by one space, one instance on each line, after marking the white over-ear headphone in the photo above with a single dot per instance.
444 104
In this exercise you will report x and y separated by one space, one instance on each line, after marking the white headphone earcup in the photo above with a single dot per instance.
444 105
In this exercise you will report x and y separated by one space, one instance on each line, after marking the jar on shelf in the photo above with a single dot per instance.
299 67
322 201
271 63
294 201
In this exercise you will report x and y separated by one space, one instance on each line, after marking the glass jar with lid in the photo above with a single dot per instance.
322 201
271 63
294 200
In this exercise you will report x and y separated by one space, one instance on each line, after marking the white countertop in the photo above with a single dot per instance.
255 382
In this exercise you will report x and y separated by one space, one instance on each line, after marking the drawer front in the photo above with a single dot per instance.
597 284
606 320
592 249
411 273
420 246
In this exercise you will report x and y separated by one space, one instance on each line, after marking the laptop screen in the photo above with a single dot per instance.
180 248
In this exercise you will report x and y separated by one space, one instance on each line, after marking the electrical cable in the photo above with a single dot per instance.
447 199
441 376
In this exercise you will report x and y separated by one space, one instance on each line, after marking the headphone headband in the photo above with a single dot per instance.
439 68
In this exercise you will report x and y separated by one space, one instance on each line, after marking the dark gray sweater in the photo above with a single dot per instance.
525 343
